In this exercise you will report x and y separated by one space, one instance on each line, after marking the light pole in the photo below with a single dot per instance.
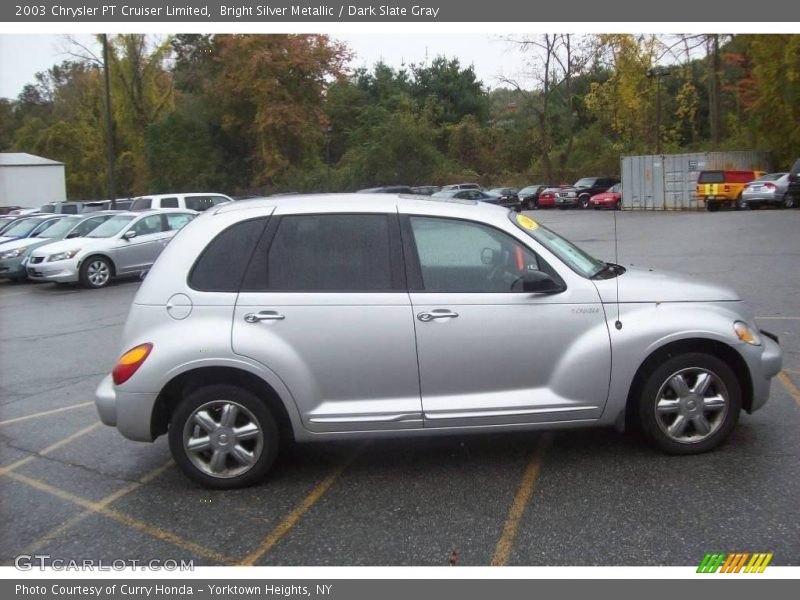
109 133
657 73
328 132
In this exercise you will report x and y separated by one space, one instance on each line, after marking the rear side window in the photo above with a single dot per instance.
222 264
69 209
331 253
176 222
169 203
711 177
201 203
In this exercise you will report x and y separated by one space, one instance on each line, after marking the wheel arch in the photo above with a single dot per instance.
721 350
184 383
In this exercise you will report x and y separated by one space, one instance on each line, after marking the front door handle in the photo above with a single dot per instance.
264 315
437 313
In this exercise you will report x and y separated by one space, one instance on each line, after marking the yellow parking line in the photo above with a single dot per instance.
103 503
293 517
94 507
45 413
23 461
790 386
505 544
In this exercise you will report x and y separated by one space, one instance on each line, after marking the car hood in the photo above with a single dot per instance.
650 285
5 239
604 196
70 244
24 242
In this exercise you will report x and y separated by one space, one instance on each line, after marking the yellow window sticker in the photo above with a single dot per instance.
527 222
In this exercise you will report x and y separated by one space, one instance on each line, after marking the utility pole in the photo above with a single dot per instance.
657 73
112 193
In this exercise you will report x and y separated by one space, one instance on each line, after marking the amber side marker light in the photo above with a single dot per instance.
129 362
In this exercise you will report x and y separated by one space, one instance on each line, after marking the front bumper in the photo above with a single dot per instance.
567 201
763 365
12 268
61 271
131 413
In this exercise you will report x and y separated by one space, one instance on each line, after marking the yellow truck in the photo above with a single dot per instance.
718 188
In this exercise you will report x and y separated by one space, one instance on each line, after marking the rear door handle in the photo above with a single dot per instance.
264 315
437 313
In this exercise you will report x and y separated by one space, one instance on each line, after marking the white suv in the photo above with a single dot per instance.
198 201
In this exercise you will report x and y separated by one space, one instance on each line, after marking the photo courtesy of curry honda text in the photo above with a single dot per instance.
351 315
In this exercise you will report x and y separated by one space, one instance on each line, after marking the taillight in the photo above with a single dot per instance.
130 362
727 188
769 186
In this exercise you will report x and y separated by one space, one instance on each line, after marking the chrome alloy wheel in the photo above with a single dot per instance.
98 273
223 439
691 405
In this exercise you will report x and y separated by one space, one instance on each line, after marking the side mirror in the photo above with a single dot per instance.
538 282
129 235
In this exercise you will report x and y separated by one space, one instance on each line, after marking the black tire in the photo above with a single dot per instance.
741 204
583 202
87 277
789 201
655 381
208 395
618 205
712 206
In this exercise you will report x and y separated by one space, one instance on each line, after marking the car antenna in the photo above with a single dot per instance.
618 323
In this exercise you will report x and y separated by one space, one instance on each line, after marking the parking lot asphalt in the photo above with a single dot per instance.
75 489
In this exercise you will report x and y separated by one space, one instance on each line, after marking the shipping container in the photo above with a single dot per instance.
667 182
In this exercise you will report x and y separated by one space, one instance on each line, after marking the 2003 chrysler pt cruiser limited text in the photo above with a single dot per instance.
342 316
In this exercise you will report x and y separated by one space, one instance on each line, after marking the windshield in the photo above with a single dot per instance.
581 262
111 227
446 194
60 228
531 189
22 228
585 182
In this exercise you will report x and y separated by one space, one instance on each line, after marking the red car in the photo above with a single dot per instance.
547 197
611 198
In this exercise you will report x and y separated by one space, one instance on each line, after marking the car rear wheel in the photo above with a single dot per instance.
712 206
96 272
223 437
689 404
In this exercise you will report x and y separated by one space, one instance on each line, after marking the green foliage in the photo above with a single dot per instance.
273 113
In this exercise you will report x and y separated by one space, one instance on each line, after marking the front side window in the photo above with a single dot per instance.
148 225
330 253
463 256
176 222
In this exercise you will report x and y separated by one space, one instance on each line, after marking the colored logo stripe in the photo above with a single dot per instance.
734 562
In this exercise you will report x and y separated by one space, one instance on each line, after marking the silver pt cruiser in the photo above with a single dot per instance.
343 316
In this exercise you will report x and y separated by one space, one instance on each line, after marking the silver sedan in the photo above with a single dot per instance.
767 190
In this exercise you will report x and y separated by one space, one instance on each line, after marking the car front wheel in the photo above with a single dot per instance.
95 272
789 201
223 436
583 202
689 404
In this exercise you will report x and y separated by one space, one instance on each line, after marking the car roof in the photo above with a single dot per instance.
174 194
337 203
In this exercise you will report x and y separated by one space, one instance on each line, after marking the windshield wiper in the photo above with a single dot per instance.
609 270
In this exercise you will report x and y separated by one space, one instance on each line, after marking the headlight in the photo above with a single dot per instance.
16 252
746 333
63 255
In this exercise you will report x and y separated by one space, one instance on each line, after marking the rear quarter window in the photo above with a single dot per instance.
221 266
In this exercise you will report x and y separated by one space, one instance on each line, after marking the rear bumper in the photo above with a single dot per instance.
760 198
130 413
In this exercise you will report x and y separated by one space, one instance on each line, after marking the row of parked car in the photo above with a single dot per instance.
749 189
85 242
594 192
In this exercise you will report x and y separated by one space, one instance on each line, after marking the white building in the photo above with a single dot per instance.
29 181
